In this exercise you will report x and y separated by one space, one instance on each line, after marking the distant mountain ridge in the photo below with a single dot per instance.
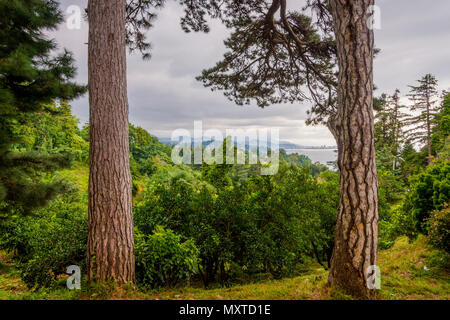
282 144
290 145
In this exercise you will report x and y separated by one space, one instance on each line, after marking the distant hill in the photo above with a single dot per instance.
282 145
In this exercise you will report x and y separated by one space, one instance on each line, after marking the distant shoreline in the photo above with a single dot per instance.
310 148
321 155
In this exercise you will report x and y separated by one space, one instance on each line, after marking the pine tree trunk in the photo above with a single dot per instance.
110 252
428 127
355 247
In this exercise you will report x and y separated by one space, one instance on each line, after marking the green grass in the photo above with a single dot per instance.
79 175
403 276
414 271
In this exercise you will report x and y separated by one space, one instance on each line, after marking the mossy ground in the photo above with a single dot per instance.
408 271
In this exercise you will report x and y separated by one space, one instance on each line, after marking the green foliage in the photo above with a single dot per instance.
430 191
179 200
425 109
413 161
216 221
393 221
302 160
324 211
258 66
30 80
166 202
399 223
295 158
162 259
51 133
47 243
259 224
389 125
445 124
438 226
440 139
390 191
147 154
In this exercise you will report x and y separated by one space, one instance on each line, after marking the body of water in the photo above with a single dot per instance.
316 155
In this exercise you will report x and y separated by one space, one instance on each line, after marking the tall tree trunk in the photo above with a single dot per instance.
355 247
110 252
430 157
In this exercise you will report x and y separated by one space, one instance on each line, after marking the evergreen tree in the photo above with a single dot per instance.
110 247
424 101
389 127
395 118
440 140
30 80
276 55
270 60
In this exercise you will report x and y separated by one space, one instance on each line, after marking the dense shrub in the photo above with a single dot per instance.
430 191
324 206
258 224
386 236
162 259
49 241
401 223
167 201
439 229
55 243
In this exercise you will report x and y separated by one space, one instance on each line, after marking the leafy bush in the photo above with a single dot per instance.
49 241
259 224
163 260
56 242
401 222
325 204
386 235
166 202
439 229
430 191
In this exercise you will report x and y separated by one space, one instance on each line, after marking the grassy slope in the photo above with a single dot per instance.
408 270
79 175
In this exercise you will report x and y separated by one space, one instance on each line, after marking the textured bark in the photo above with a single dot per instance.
355 246
110 252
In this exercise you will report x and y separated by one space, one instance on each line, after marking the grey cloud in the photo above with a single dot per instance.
164 95
414 40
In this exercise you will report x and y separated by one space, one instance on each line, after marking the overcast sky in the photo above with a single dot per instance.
163 94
